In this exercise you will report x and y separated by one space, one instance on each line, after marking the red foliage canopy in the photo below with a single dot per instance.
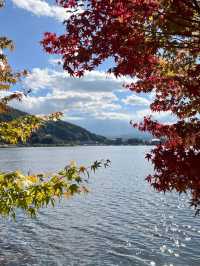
157 41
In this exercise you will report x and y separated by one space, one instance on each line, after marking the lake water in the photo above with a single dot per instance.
120 222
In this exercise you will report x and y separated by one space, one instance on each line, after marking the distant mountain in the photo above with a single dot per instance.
112 129
57 132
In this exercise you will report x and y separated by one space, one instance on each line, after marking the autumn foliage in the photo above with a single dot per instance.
158 42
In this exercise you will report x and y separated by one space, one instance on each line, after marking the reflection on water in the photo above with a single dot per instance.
121 222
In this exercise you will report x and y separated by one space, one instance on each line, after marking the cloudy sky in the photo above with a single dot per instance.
98 101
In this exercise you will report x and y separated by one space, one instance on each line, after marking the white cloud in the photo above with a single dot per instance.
92 97
136 100
164 117
42 8
91 100
38 79
120 116
55 61
77 103
92 81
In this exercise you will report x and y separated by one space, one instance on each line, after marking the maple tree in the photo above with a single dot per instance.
33 191
158 42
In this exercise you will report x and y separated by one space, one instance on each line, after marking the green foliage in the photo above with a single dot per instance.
33 192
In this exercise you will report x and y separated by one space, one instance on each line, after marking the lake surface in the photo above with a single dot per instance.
121 222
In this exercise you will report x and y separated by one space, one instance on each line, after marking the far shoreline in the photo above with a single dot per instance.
71 145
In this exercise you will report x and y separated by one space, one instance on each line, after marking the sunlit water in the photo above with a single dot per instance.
121 222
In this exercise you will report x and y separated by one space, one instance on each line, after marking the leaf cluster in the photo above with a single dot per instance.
32 192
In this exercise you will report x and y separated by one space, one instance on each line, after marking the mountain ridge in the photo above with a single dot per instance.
57 132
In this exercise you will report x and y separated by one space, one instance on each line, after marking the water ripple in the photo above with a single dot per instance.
121 222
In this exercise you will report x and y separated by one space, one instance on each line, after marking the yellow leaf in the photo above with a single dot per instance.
33 179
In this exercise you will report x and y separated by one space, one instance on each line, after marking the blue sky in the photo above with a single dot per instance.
98 101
